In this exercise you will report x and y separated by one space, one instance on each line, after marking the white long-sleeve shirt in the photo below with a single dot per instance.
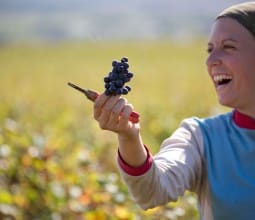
196 157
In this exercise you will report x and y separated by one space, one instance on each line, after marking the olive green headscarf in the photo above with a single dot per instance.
244 13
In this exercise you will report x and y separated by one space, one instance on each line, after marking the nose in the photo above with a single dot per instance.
214 58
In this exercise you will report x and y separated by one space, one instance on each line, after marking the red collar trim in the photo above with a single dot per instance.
243 121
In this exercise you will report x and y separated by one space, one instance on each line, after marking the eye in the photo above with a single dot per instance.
228 46
209 49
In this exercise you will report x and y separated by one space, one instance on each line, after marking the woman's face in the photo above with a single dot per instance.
231 64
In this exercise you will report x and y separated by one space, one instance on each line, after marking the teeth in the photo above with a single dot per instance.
219 78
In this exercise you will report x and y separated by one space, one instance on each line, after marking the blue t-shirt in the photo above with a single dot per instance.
229 153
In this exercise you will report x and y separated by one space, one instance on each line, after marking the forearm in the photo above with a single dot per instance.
132 150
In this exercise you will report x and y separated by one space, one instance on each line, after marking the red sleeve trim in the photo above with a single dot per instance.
136 171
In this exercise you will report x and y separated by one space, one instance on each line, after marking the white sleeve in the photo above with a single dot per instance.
177 167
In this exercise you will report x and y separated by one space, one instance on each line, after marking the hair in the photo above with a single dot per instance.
243 13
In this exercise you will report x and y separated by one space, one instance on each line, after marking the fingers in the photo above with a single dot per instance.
125 114
98 105
112 112
117 109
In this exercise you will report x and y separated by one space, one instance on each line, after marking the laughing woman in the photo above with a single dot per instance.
213 157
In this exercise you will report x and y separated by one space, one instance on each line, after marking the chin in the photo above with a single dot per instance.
226 103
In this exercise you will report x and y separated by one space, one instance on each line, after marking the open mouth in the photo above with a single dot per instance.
222 79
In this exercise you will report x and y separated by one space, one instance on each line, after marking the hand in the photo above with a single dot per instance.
112 113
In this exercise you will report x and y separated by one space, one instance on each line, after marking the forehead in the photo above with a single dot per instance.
224 28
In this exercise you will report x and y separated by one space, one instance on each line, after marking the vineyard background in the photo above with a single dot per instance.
55 162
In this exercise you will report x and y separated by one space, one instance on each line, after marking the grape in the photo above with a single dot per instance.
114 63
119 91
107 92
124 60
107 85
119 83
116 79
128 88
124 91
126 79
126 66
107 79
130 75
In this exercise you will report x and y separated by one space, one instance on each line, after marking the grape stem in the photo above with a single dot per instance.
92 95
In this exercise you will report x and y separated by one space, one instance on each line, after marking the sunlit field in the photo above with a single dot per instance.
55 162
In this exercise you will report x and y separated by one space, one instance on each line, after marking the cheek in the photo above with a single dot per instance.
236 65
245 62
250 78
245 79
245 68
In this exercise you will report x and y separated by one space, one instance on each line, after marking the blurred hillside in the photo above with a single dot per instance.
58 20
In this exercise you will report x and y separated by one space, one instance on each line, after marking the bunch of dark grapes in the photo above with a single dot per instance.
116 79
